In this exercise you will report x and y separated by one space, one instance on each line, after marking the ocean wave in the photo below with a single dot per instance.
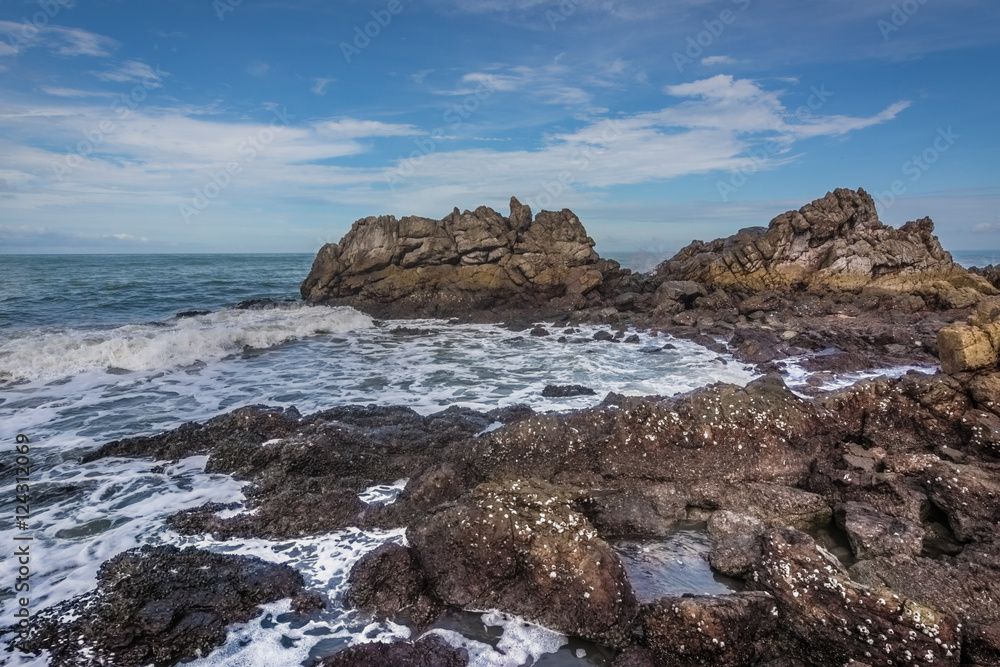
50 354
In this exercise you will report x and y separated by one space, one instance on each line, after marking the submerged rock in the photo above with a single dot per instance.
160 605
564 391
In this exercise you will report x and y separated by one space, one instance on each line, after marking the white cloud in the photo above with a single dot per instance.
57 39
719 60
133 70
986 228
352 128
158 157
258 69
73 92
546 84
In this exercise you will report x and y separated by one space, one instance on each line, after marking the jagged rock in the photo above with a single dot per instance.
388 582
973 346
522 548
873 534
160 605
837 620
736 542
835 243
726 630
467 261
429 651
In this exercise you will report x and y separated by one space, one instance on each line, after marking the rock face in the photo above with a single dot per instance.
429 651
972 346
523 548
467 261
835 243
159 605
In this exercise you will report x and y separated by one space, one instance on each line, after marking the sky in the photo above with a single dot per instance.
272 125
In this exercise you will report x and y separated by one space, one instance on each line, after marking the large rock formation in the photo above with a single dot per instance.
835 243
467 261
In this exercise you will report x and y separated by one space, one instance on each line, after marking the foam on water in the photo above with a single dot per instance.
56 353
310 357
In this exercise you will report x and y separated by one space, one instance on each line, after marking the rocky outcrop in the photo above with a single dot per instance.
472 260
520 518
836 243
974 345
523 548
160 605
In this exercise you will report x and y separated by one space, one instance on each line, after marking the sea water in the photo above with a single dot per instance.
91 350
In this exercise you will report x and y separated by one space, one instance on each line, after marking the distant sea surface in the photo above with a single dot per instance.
979 258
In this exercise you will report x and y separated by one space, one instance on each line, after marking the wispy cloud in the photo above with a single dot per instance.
258 69
132 71
712 61
59 40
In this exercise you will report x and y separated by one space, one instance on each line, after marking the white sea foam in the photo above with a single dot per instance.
180 342
383 494
95 511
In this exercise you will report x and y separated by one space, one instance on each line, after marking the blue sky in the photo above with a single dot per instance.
271 125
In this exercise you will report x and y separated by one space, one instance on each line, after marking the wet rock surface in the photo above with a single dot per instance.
523 548
430 651
728 630
160 605
516 519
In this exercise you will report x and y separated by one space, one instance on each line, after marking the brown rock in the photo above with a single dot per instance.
726 630
468 260
837 243
522 548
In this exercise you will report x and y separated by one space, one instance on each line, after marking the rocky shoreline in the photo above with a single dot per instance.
522 518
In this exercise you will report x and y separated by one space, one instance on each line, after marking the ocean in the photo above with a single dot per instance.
91 349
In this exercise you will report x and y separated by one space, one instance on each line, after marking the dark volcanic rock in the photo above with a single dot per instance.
429 651
563 391
836 620
388 582
522 548
306 473
474 260
160 605
727 630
